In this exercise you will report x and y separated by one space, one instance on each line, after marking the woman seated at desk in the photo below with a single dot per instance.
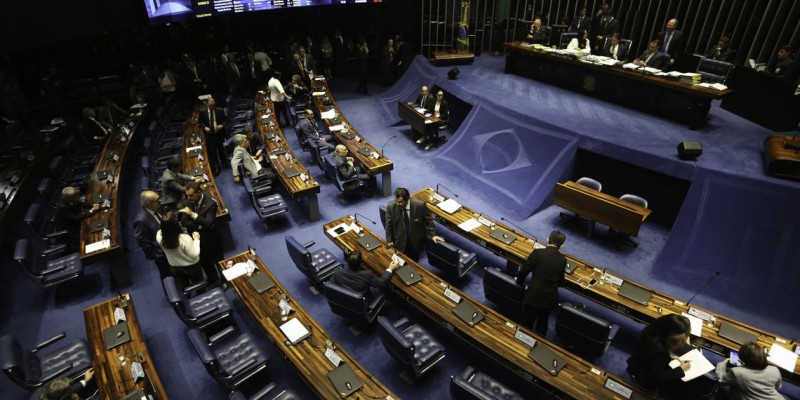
664 340
580 43
753 379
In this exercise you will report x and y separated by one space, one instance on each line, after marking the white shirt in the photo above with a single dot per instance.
436 108
276 92
186 254
573 45
264 59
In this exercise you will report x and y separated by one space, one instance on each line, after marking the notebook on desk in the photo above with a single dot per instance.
261 282
102 175
99 198
408 275
116 335
468 313
730 332
570 267
344 380
279 151
635 293
548 360
347 134
291 172
503 236
369 242
99 225
197 172
365 151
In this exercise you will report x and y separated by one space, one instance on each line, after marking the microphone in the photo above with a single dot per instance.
437 189
518 227
387 142
355 216
701 289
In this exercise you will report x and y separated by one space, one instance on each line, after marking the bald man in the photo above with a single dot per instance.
671 40
145 226
424 100
347 169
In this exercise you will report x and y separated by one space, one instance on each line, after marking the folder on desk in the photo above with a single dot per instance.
99 225
344 380
408 274
116 335
99 198
365 151
503 236
261 282
295 331
570 267
197 172
548 360
347 134
730 332
102 175
369 242
635 293
468 313
270 135
291 172
279 151
261 107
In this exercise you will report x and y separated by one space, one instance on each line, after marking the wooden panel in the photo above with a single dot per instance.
604 293
193 136
494 336
601 207
307 357
114 380
782 153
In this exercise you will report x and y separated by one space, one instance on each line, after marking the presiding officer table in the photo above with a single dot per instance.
112 367
681 102
606 292
494 335
308 356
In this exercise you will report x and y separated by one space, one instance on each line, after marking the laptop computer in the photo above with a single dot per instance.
295 331
728 331
270 135
570 267
344 380
291 172
137 394
468 313
548 360
369 242
99 198
197 172
408 274
347 134
365 151
635 293
116 335
99 225
261 282
503 236
279 151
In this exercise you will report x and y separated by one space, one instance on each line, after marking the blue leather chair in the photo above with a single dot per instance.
590 335
69 175
475 385
229 358
50 267
565 38
714 71
79 153
621 237
502 289
49 192
449 258
267 392
361 308
410 345
33 368
317 266
200 311
266 205
44 227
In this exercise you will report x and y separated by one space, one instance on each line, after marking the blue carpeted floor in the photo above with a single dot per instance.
33 314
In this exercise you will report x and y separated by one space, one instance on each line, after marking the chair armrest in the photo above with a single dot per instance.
48 342
62 234
52 270
263 392
193 288
402 323
242 367
56 373
309 244
467 374
54 251
206 312
216 338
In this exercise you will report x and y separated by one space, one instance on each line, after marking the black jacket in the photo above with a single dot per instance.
547 266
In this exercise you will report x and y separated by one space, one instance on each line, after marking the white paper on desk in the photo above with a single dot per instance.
103 244
469 225
782 357
235 271
718 86
336 128
419 110
330 114
696 323
651 70
538 245
427 121
398 260
190 149
449 206
342 228
630 66
317 93
609 62
699 364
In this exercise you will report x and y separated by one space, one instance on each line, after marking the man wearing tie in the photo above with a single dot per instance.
145 226
408 223
347 169
441 111
671 41
537 34
94 131
424 100
308 129
606 27
615 48
651 57
233 76
308 62
581 21
212 120
199 215
547 266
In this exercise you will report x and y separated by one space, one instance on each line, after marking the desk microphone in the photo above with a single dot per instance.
437 189
387 142
716 274
355 216
520 228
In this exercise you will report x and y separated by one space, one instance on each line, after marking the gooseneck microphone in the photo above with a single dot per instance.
387 142
437 189
504 219
355 216
716 274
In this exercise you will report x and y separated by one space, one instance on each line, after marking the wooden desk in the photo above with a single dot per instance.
452 57
671 99
604 293
307 357
417 120
114 380
782 154
296 187
193 136
617 214
371 166
494 335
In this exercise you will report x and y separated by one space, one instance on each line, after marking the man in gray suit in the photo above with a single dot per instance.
145 226
408 223
173 183
252 164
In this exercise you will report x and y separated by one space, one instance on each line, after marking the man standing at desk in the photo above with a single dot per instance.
212 120
541 296
604 28
200 216
71 211
408 223
671 41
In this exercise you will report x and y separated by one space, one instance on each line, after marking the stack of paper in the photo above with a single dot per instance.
96 246
235 271
469 225
317 93
782 357
699 364
330 114
294 331
449 206
336 128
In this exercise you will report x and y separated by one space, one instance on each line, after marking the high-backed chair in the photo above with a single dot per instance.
622 238
449 258
266 205
200 311
565 38
382 213
475 385
67 174
361 308
231 359
266 393
502 289
49 192
590 335
714 71
317 266
33 368
704 387
344 185
591 184
410 344
52 266
44 227
79 153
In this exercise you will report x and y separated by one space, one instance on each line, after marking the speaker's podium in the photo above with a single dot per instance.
452 57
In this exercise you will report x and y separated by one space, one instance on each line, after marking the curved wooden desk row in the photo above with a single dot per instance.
357 145
494 335
112 368
605 292
193 165
782 153
307 356
283 159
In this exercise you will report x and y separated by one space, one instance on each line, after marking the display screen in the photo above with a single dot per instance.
183 9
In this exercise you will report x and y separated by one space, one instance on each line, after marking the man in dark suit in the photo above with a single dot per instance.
651 57
110 113
233 75
251 74
93 131
440 110
424 100
671 41
173 183
783 66
212 121
408 223
615 48
70 212
604 28
721 51
362 53
541 295
359 280
537 34
308 130
199 215
145 226
347 169
581 21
